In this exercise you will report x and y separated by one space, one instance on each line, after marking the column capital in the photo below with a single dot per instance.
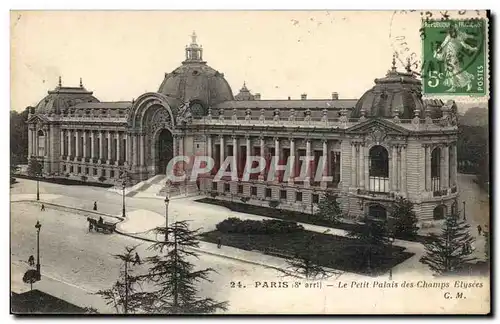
291 139
276 138
233 137
247 136
261 137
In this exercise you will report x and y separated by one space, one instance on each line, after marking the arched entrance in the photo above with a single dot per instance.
164 148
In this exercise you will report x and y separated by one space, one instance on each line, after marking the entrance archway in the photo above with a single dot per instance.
164 148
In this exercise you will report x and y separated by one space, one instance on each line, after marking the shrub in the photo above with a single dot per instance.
245 199
274 203
248 226
84 178
67 175
214 194
102 178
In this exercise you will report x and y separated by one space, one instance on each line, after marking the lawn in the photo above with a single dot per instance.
336 252
289 216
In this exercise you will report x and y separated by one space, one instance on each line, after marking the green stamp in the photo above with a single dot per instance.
454 57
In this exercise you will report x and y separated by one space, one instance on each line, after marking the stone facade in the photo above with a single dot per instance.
387 144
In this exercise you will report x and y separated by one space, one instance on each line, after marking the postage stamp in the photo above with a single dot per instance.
454 51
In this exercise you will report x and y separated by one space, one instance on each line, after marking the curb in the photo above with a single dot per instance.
70 208
202 251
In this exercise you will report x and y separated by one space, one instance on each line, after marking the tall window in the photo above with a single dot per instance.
379 169
41 143
435 169
439 212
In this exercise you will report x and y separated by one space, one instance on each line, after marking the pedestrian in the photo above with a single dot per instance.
90 227
137 259
43 207
101 221
31 260
95 205
219 242
479 230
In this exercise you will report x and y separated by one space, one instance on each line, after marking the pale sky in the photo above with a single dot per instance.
122 54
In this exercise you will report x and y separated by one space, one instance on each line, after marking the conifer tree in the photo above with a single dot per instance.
405 219
451 250
173 277
329 208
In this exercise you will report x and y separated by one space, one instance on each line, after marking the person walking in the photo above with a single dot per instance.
219 242
479 230
31 260
90 227
95 205
43 207
100 221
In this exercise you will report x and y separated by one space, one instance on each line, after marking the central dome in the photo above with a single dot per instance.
194 80
396 94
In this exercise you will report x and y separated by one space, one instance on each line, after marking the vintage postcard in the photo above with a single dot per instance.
250 162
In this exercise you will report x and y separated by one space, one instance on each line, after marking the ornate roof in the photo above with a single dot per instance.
244 94
61 98
398 93
195 80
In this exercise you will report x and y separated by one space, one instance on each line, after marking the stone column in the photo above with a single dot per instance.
61 142
84 145
394 169
427 167
292 160
307 180
77 144
248 145
353 165
367 168
222 150
118 151
135 150
453 162
141 148
276 157
70 139
445 182
324 184
128 158
209 145
361 166
92 146
262 144
35 140
403 169
30 141
101 148
108 160
235 153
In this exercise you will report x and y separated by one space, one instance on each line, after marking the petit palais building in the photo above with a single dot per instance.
386 144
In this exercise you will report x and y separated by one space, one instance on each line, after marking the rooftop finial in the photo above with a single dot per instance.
193 38
408 65
81 83
60 82
394 61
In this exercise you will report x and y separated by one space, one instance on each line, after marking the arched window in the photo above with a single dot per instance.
379 169
439 212
435 169
377 211
41 143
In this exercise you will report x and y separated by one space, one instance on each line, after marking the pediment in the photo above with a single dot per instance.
377 126
37 119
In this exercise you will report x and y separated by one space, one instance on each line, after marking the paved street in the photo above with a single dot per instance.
76 263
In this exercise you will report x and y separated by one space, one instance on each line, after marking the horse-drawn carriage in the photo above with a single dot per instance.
100 225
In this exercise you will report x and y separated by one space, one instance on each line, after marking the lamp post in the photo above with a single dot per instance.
38 226
464 210
167 201
123 199
391 240
37 189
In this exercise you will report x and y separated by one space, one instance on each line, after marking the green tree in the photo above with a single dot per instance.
450 251
305 263
173 276
19 136
124 295
35 168
404 219
30 277
373 237
329 208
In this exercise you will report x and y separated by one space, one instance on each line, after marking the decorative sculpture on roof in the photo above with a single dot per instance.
184 116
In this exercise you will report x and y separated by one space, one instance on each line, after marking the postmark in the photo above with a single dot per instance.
454 52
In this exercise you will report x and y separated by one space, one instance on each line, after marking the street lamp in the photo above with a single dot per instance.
391 240
123 199
167 201
38 226
464 210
